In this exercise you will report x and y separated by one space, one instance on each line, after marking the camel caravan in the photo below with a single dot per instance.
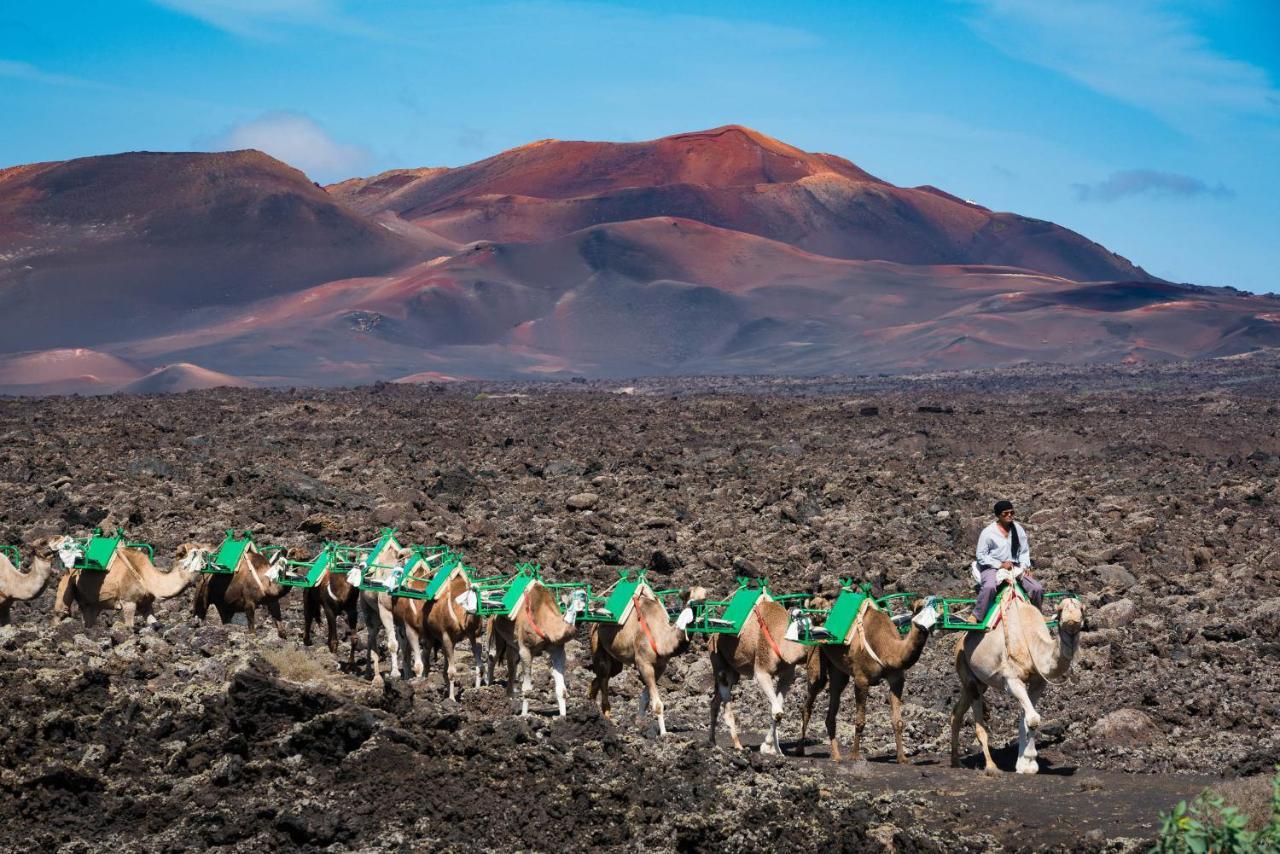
425 600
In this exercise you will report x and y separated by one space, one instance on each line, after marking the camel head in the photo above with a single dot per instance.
923 614
65 546
44 549
1070 615
190 556
696 594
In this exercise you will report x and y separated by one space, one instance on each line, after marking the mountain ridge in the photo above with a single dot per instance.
721 251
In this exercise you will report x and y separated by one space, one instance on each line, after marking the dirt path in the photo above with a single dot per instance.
1063 805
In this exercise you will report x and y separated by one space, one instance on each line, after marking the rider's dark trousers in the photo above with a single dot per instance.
987 592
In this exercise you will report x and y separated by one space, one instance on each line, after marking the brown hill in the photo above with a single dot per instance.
65 371
730 177
108 248
182 377
674 296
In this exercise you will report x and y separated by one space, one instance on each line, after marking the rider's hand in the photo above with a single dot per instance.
1008 564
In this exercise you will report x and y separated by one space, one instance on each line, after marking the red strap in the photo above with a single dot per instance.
767 636
528 610
644 625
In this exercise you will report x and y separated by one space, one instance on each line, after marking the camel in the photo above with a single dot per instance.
1019 655
876 652
332 595
252 584
394 614
448 623
646 639
18 586
129 582
535 626
762 651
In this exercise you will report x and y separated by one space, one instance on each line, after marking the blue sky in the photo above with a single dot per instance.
1151 127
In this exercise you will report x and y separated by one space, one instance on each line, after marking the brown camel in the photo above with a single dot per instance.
1017 654
876 653
18 586
241 592
535 626
448 623
760 650
130 582
646 639
332 595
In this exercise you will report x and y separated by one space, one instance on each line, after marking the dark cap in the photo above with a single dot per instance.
1003 505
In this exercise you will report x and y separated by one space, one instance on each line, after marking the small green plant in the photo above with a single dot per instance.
1210 826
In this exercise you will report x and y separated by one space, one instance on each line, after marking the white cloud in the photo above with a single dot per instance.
29 72
297 140
1143 53
1137 182
261 18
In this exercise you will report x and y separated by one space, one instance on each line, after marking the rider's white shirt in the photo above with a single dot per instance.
994 547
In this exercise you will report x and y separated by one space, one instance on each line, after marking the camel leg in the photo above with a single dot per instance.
957 721
511 654
90 613
479 656
373 626
659 708
273 608
558 658
309 616
129 611
393 642
649 700
449 649
63 599
896 683
526 682
726 696
251 619
817 672
4 612
146 610
839 681
415 650
200 604
352 625
980 727
599 688
1018 689
716 699
859 717
1027 755
768 683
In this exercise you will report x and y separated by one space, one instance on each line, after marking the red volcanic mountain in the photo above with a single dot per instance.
109 248
716 252
730 177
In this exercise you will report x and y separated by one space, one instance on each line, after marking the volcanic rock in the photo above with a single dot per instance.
582 501
1125 728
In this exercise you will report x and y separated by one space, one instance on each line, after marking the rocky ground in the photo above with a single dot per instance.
1150 491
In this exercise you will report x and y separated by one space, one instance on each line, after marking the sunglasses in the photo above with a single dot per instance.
1006 513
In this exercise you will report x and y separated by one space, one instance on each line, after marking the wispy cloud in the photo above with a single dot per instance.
1143 53
1143 182
27 71
263 19
297 140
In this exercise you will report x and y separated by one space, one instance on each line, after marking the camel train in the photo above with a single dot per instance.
434 602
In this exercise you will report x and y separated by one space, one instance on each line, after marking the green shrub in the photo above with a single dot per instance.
1210 826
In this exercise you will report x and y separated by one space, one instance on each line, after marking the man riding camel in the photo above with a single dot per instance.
1004 553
